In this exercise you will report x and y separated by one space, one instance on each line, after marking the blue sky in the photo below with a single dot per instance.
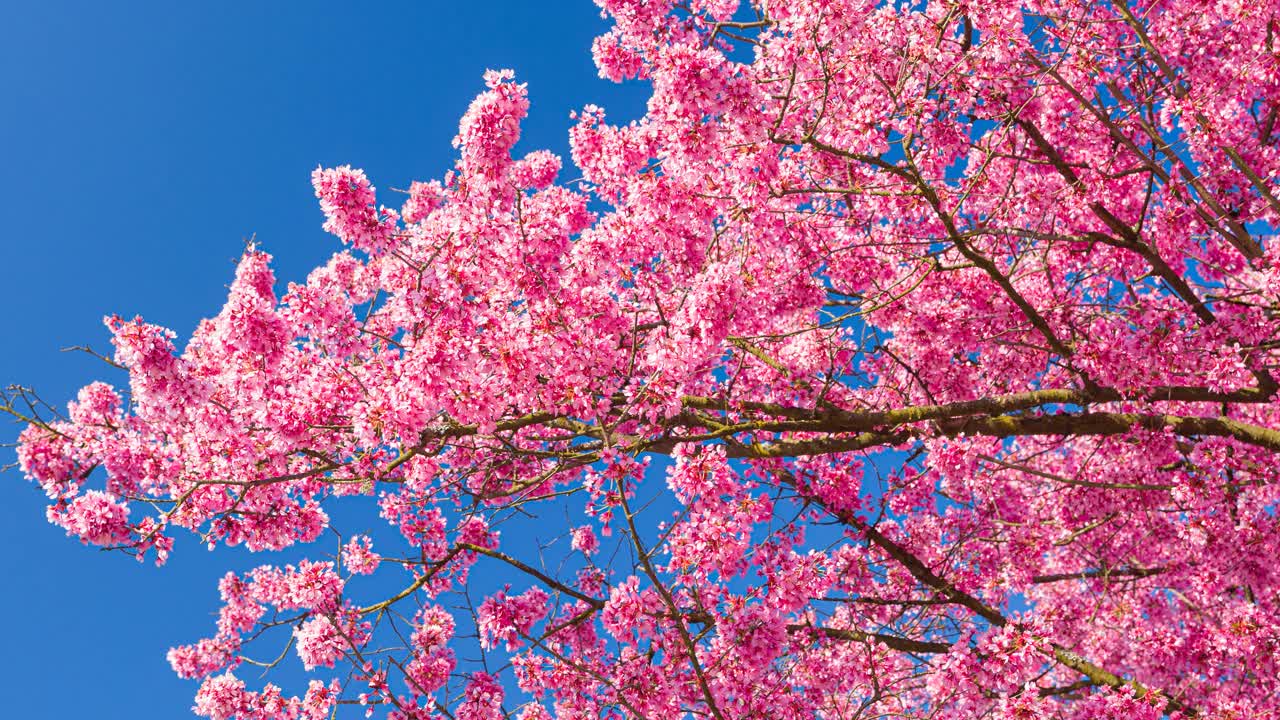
144 142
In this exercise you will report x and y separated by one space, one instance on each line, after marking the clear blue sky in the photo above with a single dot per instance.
143 142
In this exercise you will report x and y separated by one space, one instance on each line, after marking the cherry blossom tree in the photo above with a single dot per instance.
903 360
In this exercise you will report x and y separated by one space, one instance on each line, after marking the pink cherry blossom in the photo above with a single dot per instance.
358 556
900 360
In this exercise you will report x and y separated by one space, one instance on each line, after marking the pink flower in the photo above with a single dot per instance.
510 618
584 540
94 517
482 700
222 697
358 555
348 202
323 640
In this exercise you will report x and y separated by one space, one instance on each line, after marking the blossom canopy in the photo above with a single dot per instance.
904 359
